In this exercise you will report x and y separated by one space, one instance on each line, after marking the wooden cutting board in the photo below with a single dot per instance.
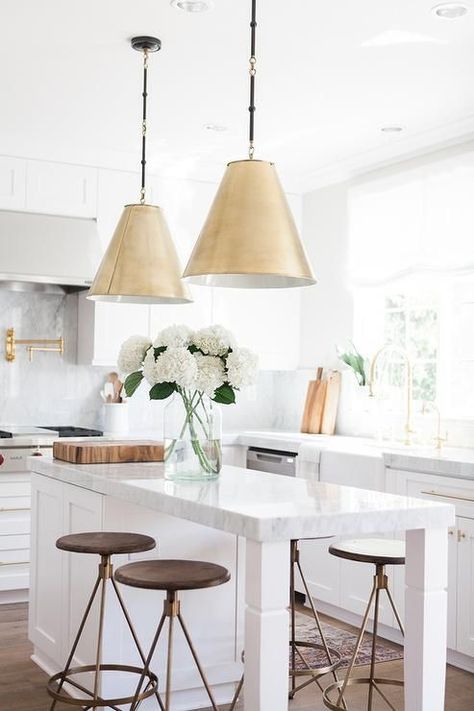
96 451
314 405
331 402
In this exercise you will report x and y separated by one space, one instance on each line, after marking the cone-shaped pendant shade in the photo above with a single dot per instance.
250 238
140 264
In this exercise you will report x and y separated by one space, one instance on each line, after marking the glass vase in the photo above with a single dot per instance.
192 437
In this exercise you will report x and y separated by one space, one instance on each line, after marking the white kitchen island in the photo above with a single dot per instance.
267 511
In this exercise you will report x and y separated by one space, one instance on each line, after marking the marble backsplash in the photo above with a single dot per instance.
54 390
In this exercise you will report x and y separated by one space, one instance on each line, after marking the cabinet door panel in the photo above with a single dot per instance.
45 593
465 591
12 183
82 512
321 570
60 189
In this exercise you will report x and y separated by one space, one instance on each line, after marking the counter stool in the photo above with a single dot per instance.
105 545
380 552
333 657
171 576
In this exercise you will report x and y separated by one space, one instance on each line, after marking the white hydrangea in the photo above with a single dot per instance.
174 337
149 367
132 353
214 340
242 367
210 373
175 365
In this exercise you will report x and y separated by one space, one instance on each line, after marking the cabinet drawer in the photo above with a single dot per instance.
14 541
461 497
14 557
14 488
15 522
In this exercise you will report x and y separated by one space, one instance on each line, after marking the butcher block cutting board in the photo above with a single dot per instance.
314 405
96 451
331 402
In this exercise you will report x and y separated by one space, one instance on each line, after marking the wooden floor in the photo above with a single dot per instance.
22 683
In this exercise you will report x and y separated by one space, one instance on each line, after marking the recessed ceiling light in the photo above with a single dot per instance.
391 129
450 10
193 5
218 127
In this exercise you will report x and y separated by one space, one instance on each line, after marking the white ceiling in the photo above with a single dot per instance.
330 74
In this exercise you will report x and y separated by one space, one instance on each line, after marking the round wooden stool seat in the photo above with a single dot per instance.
106 543
172 575
379 551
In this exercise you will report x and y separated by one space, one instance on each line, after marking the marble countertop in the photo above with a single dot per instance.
259 506
451 461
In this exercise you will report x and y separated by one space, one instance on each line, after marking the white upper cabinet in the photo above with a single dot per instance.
12 183
104 326
60 189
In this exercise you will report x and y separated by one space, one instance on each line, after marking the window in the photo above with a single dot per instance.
411 266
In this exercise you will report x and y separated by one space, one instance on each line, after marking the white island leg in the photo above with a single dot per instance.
266 626
426 619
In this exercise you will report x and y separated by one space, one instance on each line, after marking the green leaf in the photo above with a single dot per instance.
132 382
224 395
161 391
159 350
193 349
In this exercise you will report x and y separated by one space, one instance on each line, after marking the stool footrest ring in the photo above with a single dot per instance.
337 686
316 672
151 688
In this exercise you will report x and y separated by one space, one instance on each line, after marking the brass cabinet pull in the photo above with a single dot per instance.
448 496
13 562
17 508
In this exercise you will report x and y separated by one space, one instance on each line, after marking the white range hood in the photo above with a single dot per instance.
40 251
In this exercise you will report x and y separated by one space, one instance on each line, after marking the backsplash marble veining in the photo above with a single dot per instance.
52 390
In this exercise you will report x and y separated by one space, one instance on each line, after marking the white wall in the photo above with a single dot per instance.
326 313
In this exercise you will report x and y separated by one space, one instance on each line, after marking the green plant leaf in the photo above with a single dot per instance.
224 395
159 350
132 382
161 391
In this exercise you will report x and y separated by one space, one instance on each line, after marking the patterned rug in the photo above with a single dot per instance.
343 641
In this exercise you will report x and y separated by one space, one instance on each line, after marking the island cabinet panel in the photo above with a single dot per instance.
61 582
460 493
211 615
45 618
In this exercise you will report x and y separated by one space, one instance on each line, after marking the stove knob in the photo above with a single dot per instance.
2 459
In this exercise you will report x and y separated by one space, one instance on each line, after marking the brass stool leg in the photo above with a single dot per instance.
76 639
136 699
198 663
380 583
332 656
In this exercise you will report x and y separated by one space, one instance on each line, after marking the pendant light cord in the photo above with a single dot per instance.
144 95
252 72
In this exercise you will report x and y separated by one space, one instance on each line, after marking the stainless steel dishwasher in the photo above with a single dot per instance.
272 461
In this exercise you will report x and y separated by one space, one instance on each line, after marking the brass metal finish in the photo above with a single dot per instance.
141 264
250 239
172 612
448 496
57 681
409 384
439 439
380 583
33 345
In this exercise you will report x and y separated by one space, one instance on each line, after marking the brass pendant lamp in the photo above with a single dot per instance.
250 239
141 264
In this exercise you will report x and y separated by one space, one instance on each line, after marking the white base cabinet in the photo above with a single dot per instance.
61 583
460 493
14 535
